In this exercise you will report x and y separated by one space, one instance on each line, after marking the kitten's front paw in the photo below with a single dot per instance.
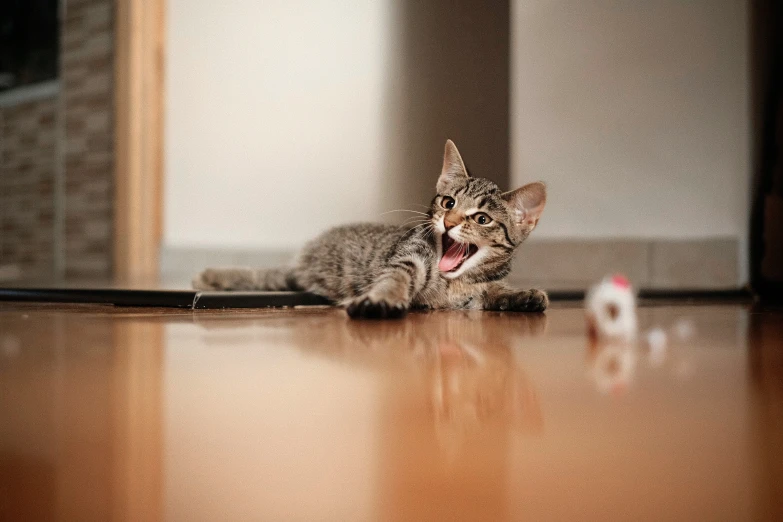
526 301
366 308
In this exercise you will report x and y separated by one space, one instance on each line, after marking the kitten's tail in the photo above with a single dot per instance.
278 280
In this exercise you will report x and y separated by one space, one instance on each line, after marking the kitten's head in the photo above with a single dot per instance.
478 226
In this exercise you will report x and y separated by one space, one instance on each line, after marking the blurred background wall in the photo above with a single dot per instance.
287 117
284 118
637 114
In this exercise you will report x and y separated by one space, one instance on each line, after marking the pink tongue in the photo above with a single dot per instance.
451 258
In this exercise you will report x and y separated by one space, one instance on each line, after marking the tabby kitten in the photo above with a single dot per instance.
457 259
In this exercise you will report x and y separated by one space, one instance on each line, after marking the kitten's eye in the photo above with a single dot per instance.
481 218
447 202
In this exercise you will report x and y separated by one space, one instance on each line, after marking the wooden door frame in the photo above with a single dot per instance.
138 170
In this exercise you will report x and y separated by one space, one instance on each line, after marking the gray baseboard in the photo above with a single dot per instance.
569 264
562 264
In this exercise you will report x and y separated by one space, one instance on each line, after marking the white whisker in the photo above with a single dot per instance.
411 221
415 220
404 210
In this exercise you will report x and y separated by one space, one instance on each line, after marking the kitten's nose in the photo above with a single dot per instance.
448 224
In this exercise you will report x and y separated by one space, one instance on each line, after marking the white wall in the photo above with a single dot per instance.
636 113
273 119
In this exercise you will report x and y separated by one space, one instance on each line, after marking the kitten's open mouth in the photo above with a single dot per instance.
454 254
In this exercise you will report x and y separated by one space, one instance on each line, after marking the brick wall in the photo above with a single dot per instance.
86 83
30 139
27 164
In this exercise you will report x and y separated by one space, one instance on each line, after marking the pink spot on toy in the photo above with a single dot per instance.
621 281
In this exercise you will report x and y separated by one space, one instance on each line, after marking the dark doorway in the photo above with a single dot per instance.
766 247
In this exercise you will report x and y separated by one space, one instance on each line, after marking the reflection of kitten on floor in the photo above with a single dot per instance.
474 388
467 365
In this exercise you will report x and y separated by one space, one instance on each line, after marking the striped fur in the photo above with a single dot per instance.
381 271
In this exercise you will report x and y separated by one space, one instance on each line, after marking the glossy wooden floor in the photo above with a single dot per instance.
138 414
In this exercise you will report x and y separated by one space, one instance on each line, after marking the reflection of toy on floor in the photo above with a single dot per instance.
611 366
684 329
612 327
656 340
611 310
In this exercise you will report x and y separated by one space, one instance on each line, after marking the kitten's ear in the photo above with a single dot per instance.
527 203
453 167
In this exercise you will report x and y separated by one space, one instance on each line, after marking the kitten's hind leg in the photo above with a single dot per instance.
502 298
246 279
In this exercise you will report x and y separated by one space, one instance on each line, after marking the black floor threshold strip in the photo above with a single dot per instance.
191 299
194 299
696 295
